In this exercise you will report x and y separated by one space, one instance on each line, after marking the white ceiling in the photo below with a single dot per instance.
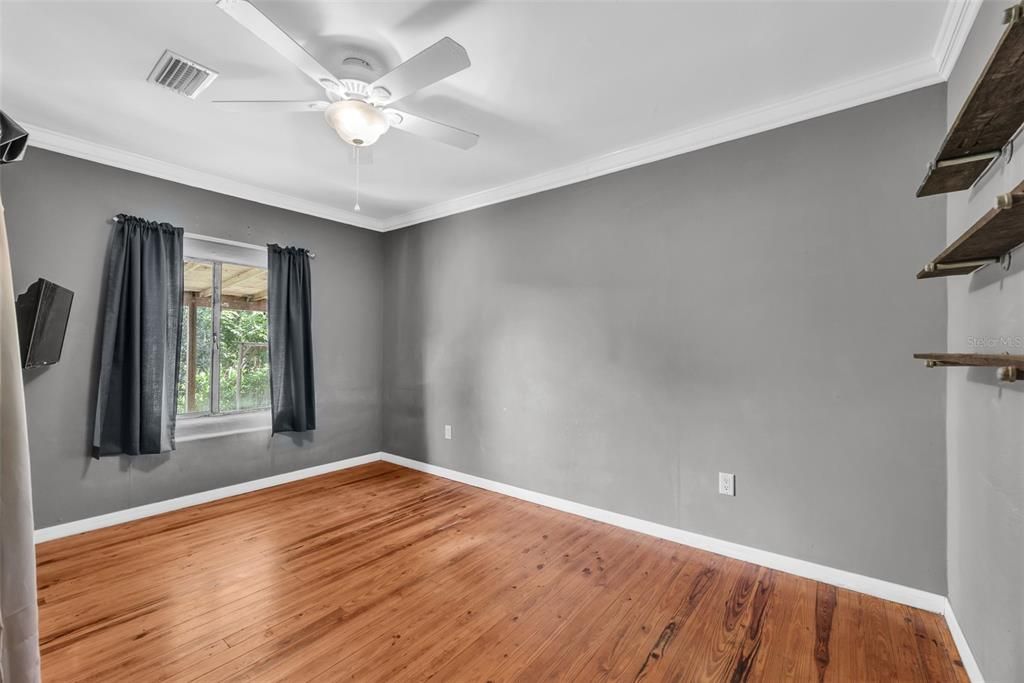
558 91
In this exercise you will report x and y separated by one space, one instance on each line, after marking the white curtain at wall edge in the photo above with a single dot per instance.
19 620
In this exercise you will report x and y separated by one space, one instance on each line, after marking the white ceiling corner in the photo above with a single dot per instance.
956 25
828 100
913 45
129 161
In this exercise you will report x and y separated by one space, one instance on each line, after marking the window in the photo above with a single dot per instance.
225 364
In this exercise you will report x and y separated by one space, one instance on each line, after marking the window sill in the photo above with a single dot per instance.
214 426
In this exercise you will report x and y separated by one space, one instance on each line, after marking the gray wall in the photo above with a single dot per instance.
747 308
985 423
58 217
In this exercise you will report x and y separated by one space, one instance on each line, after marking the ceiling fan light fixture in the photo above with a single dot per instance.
356 122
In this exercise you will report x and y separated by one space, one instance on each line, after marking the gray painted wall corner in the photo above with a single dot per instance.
748 308
58 216
985 429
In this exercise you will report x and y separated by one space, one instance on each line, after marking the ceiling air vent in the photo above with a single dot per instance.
181 75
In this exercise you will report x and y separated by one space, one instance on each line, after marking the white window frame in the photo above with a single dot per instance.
208 426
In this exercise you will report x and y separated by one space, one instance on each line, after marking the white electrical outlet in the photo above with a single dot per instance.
727 484
448 432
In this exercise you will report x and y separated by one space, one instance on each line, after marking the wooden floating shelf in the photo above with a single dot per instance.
1009 368
990 117
976 360
990 239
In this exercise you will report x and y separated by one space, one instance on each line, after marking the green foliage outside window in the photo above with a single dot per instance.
243 339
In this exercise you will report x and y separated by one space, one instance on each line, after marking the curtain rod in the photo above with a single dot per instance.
221 240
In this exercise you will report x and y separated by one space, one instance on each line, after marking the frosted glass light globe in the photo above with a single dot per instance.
356 122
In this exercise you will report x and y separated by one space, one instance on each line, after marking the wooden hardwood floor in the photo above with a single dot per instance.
384 573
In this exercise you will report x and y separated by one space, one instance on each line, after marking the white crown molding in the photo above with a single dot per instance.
886 590
131 514
894 81
966 656
54 141
956 25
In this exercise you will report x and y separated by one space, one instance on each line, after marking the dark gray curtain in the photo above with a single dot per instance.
290 328
136 404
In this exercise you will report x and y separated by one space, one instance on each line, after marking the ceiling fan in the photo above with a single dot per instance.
360 112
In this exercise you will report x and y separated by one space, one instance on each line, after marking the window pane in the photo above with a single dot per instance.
196 339
244 361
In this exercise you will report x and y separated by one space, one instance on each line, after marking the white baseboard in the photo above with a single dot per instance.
887 590
131 514
966 656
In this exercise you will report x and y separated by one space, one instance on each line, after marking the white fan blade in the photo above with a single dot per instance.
440 60
417 125
271 106
263 28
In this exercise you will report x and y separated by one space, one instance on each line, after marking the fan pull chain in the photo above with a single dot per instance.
357 179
